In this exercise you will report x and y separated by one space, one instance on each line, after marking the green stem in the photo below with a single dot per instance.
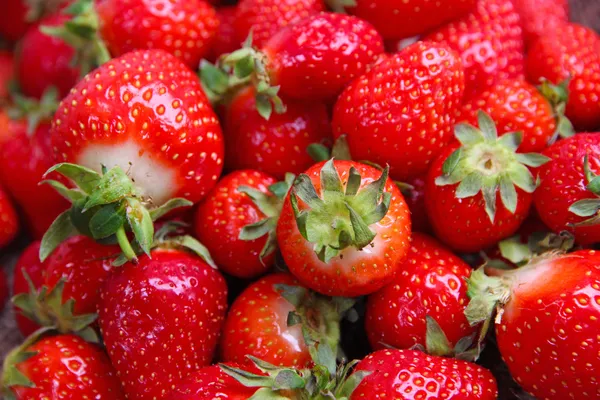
125 245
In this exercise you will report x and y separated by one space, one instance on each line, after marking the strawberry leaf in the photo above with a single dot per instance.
140 221
59 231
115 185
169 206
85 178
107 221
437 343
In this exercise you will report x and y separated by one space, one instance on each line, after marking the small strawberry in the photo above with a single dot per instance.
547 323
428 296
490 42
9 222
568 197
344 228
479 190
398 373
571 52
161 319
541 17
401 113
60 367
275 146
7 68
516 105
237 221
225 40
272 319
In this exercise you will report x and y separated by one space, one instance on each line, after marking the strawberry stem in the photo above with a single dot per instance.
125 245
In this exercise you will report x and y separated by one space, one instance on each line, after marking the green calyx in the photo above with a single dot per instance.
588 208
487 294
339 217
339 6
340 150
33 110
557 96
488 164
270 205
81 33
538 243
40 8
437 343
106 207
244 67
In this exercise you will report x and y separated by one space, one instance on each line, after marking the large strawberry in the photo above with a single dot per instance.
272 319
548 322
427 297
571 52
276 146
568 197
9 222
399 373
60 367
479 190
401 113
490 42
344 228
237 222
161 319
541 17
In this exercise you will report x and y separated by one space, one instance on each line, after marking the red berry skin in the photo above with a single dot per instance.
353 272
548 332
257 325
402 112
9 221
225 40
278 145
563 182
220 218
67 367
572 50
161 319
415 199
515 106
184 28
431 282
490 42
540 17
24 159
266 17
462 224
315 58
399 372
45 61
13 24
6 73
29 262
146 112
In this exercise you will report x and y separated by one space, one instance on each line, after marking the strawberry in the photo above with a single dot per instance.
45 61
225 40
479 190
17 15
63 366
258 323
237 222
399 19
394 115
161 319
568 195
516 105
413 191
344 228
6 73
9 222
547 323
428 296
264 18
570 52
276 146
399 373
541 17
490 42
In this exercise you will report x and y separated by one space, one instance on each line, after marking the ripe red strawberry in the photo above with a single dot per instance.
258 323
570 51
6 73
539 18
45 61
276 146
161 319
566 181
401 113
548 323
266 17
63 366
225 40
515 106
431 283
399 19
146 113
237 222
413 191
344 228
479 190
489 41
9 222
400 372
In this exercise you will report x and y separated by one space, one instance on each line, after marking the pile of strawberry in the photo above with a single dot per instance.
235 201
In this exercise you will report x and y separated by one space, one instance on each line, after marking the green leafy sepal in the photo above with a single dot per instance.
588 208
